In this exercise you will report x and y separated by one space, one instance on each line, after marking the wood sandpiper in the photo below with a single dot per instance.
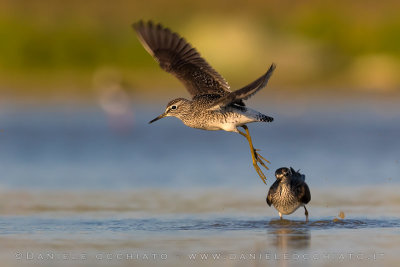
213 106
289 192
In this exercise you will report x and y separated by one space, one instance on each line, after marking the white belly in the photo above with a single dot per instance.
230 124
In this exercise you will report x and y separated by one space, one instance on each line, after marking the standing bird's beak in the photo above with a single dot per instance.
159 117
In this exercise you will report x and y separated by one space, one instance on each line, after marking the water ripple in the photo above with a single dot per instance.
62 226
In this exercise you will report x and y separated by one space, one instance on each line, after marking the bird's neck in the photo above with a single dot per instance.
285 180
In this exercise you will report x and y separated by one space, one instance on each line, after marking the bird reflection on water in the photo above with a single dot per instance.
289 234
290 238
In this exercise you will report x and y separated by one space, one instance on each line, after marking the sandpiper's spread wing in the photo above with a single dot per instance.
178 57
245 92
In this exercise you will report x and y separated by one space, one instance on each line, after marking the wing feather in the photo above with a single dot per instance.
179 58
245 92
307 195
303 193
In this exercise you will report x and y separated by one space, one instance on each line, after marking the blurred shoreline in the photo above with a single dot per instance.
61 48
371 201
159 97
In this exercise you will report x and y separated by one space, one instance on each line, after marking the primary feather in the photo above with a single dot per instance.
179 58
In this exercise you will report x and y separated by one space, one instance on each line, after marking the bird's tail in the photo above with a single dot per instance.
264 118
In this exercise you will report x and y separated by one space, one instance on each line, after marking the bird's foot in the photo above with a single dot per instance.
260 158
260 173
257 158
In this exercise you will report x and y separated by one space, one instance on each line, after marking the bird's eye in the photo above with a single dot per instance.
173 107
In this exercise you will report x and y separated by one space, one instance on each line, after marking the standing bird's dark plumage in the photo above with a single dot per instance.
289 192
213 105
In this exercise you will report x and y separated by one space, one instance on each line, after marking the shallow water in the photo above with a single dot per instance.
171 227
80 187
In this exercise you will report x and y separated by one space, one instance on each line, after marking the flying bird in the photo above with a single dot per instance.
213 105
289 192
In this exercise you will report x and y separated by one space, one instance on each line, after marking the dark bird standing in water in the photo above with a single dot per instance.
213 105
289 192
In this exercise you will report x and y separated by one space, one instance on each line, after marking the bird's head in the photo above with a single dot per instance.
174 108
282 173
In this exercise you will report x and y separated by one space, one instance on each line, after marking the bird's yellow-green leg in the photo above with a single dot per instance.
306 213
257 158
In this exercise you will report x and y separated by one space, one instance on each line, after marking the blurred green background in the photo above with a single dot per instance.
62 49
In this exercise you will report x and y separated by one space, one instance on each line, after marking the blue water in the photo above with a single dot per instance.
47 227
77 180
84 148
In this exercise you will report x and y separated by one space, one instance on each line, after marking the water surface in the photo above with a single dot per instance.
82 187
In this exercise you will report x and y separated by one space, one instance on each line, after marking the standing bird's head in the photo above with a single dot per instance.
175 108
283 173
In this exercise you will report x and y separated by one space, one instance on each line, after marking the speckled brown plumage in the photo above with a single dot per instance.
288 192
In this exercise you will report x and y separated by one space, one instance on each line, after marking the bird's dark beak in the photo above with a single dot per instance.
159 117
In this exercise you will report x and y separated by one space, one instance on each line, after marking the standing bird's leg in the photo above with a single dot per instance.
280 215
257 158
306 213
